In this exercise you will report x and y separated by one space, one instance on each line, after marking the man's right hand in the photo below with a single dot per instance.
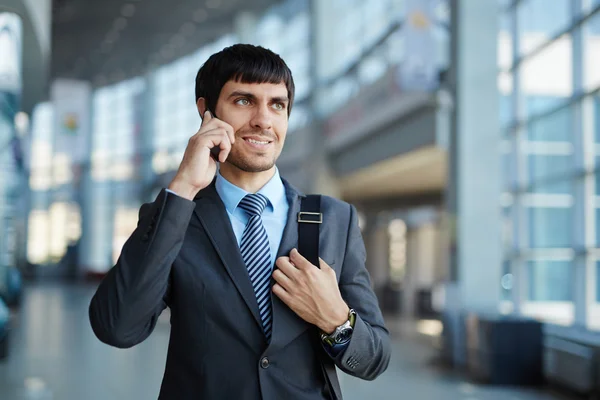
198 168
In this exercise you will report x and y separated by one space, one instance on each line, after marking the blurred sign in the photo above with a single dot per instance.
72 103
10 53
418 70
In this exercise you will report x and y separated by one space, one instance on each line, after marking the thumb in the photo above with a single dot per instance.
207 117
324 265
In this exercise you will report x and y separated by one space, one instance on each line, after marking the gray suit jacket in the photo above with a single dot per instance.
184 255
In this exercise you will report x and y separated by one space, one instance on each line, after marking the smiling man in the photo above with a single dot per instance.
251 317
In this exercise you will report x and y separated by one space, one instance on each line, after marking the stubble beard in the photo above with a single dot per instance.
248 163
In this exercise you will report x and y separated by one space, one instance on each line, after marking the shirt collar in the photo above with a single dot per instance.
231 195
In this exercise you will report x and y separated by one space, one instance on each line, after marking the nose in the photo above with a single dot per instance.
261 118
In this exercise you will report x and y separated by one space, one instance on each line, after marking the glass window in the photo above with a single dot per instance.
547 77
550 280
508 167
506 111
597 176
587 6
395 48
507 281
556 127
597 281
543 167
505 41
508 228
360 25
285 29
597 222
114 139
550 226
551 186
372 68
540 20
41 147
591 51
595 116
174 104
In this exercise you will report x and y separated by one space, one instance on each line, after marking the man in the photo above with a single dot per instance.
251 318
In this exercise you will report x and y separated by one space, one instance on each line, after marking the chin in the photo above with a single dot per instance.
251 165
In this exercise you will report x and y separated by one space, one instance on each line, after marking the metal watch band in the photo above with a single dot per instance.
345 329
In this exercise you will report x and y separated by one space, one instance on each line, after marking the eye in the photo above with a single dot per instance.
242 102
279 106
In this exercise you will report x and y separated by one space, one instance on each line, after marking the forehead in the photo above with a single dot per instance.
267 90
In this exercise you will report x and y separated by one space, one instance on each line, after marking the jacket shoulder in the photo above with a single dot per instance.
341 209
332 202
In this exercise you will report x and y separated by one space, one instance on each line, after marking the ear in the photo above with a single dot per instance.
201 105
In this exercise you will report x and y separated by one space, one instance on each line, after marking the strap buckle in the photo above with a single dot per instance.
310 217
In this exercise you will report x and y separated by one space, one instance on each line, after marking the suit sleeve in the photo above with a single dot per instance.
368 354
125 308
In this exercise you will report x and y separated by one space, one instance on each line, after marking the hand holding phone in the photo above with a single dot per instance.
211 144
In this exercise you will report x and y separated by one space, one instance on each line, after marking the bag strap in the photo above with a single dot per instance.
309 222
310 219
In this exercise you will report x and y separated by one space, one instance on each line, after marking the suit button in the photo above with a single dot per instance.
264 363
145 238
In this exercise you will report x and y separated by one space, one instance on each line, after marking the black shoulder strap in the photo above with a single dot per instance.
309 222
310 219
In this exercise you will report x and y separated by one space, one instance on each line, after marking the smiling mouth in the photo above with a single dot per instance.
257 142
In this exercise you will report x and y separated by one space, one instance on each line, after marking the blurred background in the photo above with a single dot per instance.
466 132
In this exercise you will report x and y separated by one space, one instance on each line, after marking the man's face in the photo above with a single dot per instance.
258 113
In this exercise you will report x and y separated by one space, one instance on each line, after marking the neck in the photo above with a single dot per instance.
251 182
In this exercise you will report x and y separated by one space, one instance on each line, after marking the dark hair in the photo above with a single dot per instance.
243 63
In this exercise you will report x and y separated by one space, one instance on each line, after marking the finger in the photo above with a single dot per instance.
205 130
282 279
228 128
323 264
299 261
225 146
214 138
284 264
230 132
327 268
207 117
214 123
280 292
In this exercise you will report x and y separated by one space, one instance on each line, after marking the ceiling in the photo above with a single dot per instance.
111 40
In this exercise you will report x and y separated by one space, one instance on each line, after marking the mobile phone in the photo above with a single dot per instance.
214 152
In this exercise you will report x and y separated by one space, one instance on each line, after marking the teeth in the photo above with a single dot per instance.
256 141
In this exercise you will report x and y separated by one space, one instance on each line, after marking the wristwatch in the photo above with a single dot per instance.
343 333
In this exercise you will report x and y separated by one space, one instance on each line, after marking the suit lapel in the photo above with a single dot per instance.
286 324
213 216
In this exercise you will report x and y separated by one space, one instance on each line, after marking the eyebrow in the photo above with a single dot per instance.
279 99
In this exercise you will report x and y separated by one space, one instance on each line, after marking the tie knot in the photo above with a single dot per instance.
254 204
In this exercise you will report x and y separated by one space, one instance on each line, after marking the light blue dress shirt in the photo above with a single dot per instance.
274 216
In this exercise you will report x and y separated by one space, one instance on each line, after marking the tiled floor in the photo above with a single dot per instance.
55 356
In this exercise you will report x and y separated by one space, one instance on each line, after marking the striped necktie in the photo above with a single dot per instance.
256 253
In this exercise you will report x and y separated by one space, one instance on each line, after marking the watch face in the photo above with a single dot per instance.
344 336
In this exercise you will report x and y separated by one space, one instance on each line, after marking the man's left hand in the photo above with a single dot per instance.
312 293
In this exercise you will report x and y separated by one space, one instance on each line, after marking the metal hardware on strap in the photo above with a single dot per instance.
310 217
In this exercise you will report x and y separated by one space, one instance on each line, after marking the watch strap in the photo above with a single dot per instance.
330 339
